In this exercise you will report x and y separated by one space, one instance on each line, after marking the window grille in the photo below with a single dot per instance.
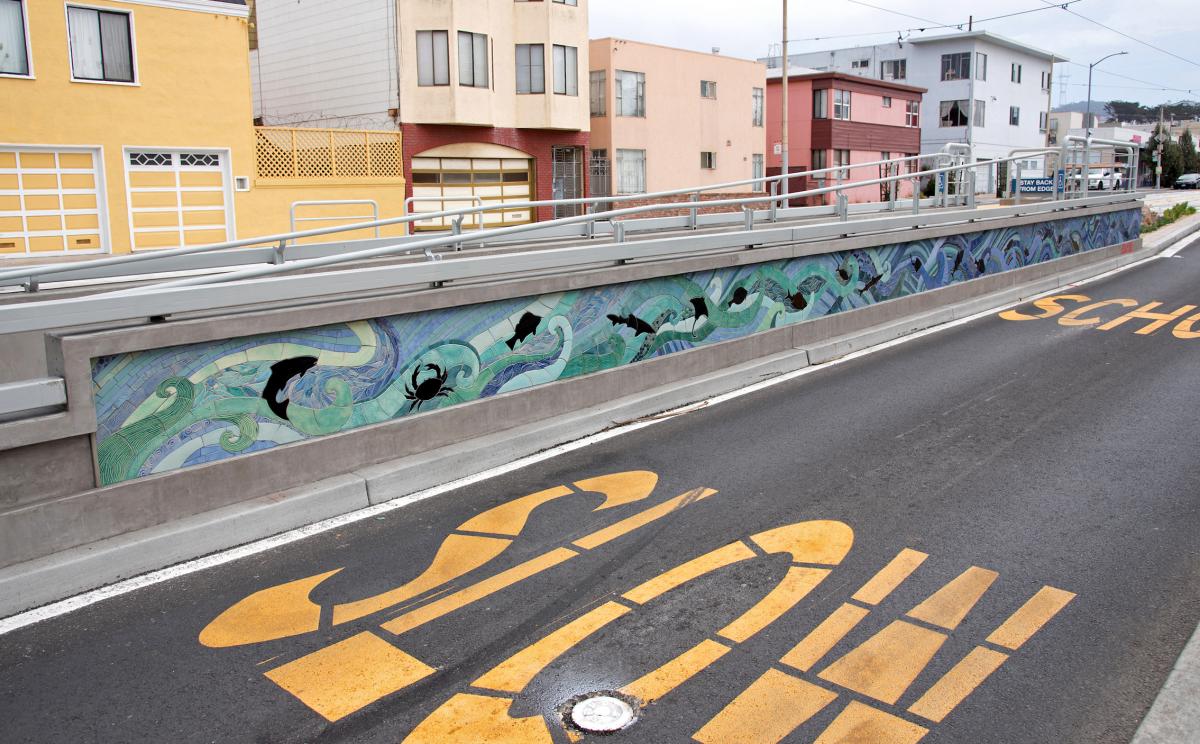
150 159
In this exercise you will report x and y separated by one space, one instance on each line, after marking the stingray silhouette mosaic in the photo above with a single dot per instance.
171 408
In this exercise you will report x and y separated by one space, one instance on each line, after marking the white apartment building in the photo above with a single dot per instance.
983 89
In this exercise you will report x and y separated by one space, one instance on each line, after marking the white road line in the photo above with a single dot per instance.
79 601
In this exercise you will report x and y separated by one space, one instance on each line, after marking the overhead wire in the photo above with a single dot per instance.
1062 4
1050 4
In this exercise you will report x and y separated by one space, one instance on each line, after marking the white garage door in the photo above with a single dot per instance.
51 201
178 197
453 176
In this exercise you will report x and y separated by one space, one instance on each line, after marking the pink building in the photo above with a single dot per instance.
839 120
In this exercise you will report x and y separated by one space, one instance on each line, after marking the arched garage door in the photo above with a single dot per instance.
448 177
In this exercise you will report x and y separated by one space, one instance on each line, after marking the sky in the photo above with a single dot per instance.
747 29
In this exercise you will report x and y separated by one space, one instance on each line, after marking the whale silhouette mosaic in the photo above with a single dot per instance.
160 410
861 660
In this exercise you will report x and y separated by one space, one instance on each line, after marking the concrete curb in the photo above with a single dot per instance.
37 582
1175 716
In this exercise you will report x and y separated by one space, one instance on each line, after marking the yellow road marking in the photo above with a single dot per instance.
862 724
630 524
349 675
1184 329
457 556
467 595
821 541
652 686
947 607
685 572
509 518
1074 318
278 612
1144 313
478 719
1029 619
957 684
885 664
1049 305
620 488
516 671
890 576
794 586
766 711
824 637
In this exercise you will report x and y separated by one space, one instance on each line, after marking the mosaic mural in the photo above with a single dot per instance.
165 409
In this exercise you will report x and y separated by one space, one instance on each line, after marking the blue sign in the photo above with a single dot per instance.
1061 185
1034 186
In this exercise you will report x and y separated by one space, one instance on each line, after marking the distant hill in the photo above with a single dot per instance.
1081 106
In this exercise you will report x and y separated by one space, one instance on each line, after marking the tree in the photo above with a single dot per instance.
1187 147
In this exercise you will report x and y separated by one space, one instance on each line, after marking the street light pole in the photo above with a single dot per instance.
783 140
1087 138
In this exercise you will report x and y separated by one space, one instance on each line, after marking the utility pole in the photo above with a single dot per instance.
1085 181
783 140
1159 147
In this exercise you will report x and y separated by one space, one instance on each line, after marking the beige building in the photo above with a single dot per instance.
490 95
665 118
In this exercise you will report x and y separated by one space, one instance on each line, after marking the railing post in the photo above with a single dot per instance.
772 215
971 177
456 229
748 216
842 206
693 212
893 187
1016 186
916 195
31 285
590 226
618 231
277 254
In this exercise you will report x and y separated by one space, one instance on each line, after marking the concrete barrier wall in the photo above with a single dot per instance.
363 397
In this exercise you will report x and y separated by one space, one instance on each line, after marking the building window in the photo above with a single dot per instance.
1045 80
756 166
1014 116
14 46
472 59
1042 121
531 68
708 88
1016 73
433 58
566 70
980 66
598 92
101 45
956 66
631 95
818 160
567 2
952 114
631 171
841 159
708 160
893 69
979 117
912 113
821 104
860 64
759 107
841 105
887 101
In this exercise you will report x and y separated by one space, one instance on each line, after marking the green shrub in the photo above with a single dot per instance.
1183 209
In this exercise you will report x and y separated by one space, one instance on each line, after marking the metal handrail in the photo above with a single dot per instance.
281 239
491 233
473 198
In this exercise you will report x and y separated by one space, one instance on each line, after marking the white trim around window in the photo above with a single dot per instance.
29 74
133 59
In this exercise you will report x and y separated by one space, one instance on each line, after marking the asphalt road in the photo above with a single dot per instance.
1041 454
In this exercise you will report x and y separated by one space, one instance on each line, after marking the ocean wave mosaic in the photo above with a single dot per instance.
165 409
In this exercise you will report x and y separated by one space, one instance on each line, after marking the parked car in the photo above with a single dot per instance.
1187 181
1101 180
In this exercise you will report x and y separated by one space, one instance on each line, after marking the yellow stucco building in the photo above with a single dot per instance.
128 125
